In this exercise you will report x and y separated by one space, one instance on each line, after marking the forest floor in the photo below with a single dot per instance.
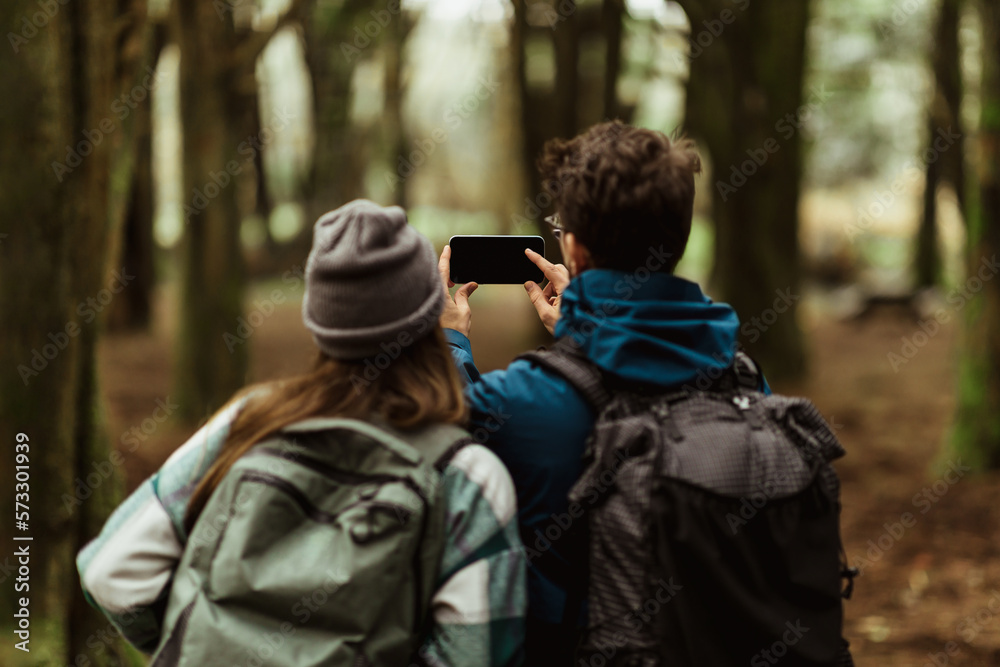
930 588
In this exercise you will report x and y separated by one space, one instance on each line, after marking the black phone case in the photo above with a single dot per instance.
497 260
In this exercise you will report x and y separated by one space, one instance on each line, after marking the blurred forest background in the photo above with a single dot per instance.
164 160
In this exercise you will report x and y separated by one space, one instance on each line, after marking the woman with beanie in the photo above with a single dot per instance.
372 293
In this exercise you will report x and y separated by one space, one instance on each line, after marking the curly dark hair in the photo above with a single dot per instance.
622 190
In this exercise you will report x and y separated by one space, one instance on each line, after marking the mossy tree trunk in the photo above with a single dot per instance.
976 435
133 310
217 83
552 111
746 107
394 138
948 165
66 170
335 42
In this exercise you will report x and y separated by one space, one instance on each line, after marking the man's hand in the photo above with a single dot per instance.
546 301
456 313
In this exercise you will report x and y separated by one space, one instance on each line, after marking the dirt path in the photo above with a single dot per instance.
931 574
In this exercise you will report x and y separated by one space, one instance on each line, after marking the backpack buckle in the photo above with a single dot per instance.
749 410
849 573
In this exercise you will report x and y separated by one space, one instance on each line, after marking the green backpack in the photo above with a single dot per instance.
320 547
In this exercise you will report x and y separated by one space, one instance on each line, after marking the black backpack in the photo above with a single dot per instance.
714 523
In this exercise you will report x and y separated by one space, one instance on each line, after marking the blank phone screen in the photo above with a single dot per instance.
498 260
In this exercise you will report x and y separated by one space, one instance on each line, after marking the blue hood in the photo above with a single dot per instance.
662 331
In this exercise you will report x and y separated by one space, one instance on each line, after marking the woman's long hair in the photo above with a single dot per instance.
419 387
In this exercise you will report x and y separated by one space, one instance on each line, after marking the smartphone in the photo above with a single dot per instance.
497 259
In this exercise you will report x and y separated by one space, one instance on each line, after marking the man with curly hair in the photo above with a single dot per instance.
623 199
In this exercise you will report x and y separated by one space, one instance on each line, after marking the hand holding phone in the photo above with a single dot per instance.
546 301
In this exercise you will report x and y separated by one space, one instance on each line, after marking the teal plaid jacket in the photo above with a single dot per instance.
479 606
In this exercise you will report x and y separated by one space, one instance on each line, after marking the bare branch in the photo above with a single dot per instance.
254 43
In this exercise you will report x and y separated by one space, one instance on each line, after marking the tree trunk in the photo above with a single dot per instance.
949 83
218 93
332 50
538 122
976 435
133 310
393 130
944 114
745 105
531 136
566 37
209 366
612 14
69 151
928 257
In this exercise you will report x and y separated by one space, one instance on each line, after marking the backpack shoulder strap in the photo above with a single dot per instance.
565 360
437 443
747 371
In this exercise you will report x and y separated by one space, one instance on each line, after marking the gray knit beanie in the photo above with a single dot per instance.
371 280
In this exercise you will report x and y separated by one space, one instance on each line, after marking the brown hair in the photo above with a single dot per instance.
419 387
621 190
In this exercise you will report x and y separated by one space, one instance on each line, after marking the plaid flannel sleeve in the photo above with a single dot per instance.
127 569
480 605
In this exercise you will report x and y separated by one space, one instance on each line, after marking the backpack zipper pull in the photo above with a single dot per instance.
752 415
662 413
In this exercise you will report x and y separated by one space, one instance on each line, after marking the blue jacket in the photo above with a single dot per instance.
662 331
